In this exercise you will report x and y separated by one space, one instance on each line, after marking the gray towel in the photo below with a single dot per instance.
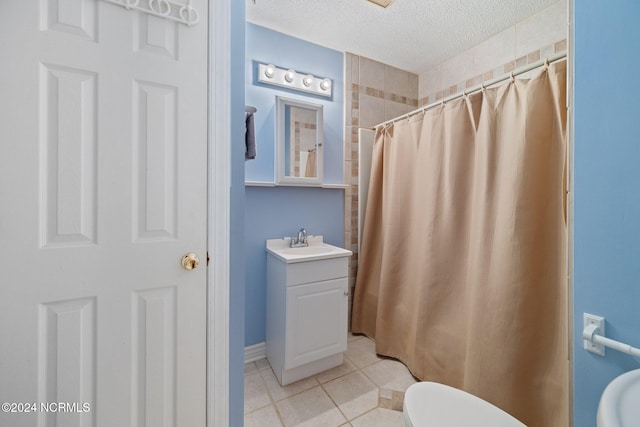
250 138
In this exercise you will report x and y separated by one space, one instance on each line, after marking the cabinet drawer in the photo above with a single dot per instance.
317 270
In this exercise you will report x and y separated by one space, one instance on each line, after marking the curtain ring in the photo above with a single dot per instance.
546 63
513 78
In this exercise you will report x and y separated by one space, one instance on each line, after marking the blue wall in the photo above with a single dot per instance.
270 47
607 191
277 212
236 249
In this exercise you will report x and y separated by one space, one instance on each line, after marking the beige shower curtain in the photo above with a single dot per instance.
462 269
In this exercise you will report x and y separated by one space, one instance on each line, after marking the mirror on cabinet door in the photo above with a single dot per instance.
299 142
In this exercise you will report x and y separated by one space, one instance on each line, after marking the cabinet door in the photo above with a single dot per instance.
316 325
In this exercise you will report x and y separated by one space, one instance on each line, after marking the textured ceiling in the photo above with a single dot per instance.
413 35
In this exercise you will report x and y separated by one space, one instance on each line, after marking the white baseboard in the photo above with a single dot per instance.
255 352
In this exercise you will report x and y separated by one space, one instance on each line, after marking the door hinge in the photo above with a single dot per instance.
208 259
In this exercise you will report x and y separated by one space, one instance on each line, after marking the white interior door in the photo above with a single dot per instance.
103 169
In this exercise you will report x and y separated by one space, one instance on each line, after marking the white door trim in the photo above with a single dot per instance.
219 215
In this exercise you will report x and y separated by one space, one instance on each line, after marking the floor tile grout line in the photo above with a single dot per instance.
335 403
365 413
279 415
274 401
357 368
266 386
271 402
369 379
257 409
339 376
359 415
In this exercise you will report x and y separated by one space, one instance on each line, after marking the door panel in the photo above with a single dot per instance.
103 170
67 358
155 161
154 356
68 140
77 18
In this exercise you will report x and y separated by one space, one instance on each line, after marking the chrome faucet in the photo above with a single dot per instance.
302 236
300 239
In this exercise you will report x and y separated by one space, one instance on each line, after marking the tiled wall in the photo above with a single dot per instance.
434 95
374 92
537 37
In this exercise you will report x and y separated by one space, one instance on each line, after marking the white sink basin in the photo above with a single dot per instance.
322 249
317 249
620 402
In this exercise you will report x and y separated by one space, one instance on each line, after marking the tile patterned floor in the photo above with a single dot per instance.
366 391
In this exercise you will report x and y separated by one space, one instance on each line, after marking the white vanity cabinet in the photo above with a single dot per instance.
307 297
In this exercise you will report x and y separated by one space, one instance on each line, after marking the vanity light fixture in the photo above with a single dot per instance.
289 75
291 79
325 84
270 70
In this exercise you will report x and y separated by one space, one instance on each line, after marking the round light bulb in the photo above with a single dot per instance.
288 76
325 84
307 80
270 71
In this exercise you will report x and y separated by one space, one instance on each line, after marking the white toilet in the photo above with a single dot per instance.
429 404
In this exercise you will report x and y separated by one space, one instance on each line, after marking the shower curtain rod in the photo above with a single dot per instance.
476 88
